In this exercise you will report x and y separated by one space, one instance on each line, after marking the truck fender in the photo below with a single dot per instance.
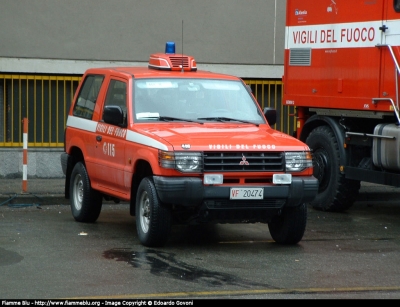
318 120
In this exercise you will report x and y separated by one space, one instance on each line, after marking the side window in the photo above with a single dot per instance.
396 5
87 97
116 95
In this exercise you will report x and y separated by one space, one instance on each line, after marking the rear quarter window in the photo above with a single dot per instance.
84 106
396 5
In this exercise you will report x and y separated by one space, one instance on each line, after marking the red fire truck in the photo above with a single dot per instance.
341 75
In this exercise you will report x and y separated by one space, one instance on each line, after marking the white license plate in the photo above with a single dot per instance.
247 193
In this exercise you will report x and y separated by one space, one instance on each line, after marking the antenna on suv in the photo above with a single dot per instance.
182 46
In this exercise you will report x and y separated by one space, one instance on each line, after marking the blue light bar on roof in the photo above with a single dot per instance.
170 47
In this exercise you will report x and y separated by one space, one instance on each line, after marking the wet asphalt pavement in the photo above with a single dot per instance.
45 254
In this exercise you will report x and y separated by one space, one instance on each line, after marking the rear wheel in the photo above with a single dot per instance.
85 202
335 193
289 227
153 221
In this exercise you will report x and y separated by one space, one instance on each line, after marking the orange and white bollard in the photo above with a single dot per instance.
25 156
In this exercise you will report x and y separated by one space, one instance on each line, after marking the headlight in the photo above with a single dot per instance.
298 161
185 162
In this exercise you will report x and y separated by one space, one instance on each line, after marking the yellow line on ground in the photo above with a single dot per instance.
240 292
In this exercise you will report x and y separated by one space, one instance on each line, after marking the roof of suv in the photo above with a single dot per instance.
146 72
165 65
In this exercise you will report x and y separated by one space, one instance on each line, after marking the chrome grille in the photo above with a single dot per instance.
244 161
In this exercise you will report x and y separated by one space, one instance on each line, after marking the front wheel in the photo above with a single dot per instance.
289 226
85 202
153 221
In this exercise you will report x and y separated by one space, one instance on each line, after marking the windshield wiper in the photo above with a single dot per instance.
169 118
224 119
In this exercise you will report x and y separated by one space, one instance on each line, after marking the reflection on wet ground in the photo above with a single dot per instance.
9 257
165 264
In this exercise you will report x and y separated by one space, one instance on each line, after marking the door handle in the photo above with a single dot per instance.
98 138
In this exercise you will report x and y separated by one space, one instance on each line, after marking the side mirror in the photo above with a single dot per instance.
113 115
270 115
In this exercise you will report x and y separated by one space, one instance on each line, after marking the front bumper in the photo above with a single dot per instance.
189 191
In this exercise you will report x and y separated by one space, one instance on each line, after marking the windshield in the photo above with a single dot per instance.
196 100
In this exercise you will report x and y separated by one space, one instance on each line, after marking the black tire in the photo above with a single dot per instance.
335 192
289 227
153 221
85 202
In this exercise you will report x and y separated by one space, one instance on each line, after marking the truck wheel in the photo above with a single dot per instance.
153 221
335 193
85 202
289 227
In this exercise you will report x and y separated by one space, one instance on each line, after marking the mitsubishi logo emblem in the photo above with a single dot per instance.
244 161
